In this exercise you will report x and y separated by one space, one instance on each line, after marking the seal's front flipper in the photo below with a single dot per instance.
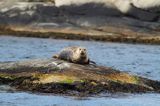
92 62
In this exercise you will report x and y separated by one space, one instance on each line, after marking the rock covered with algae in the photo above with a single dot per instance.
60 77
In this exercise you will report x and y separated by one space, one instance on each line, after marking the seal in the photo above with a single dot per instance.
74 54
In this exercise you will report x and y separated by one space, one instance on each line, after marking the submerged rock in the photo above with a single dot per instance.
60 77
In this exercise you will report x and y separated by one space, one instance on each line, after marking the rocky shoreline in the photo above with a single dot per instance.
39 19
134 38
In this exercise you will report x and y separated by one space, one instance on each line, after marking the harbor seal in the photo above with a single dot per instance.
74 54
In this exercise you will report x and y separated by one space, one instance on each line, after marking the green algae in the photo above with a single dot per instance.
137 79
7 77
71 81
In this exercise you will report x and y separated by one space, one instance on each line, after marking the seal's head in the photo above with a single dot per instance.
81 51
80 55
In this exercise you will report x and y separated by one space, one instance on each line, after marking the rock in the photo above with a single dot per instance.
25 13
60 77
142 14
92 20
137 9
151 5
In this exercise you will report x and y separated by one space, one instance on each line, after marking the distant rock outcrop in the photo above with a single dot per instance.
125 19
140 9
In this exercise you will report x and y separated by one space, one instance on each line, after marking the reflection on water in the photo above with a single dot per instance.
138 59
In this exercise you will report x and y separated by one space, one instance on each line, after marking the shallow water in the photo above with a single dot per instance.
142 60
26 99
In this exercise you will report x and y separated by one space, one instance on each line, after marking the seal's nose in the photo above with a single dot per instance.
82 53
